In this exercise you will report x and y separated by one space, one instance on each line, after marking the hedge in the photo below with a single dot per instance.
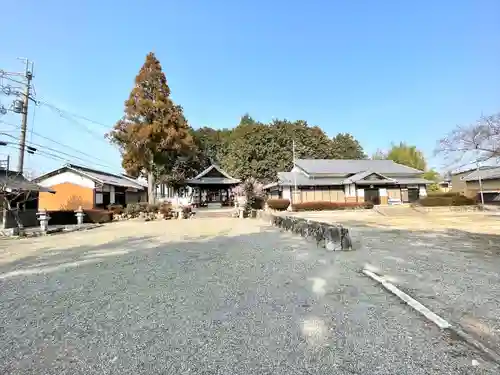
325 205
446 199
68 217
116 209
278 204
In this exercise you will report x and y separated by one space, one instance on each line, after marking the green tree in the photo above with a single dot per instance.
434 176
153 133
345 146
212 142
408 155
261 150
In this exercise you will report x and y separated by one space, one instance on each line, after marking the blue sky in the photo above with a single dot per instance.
381 70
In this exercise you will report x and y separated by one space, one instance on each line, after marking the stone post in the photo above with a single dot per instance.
43 218
79 215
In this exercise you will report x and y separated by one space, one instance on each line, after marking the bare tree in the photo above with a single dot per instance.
15 192
477 142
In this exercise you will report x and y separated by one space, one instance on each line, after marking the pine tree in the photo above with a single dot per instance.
153 133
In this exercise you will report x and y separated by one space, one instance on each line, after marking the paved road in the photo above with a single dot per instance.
206 296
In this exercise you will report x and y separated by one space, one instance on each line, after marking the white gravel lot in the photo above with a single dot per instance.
456 273
206 296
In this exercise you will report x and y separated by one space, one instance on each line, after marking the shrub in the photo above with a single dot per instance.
68 217
142 206
132 209
116 209
165 209
369 205
461 200
63 217
326 205
278 204
446 199
98 216
152 208
258 203
442 194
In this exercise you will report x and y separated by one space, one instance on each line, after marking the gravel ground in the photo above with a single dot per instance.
206 296
453 272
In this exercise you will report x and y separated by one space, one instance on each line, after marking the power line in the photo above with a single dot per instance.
81 126
81 117
71 117
60 152
55 157
56 142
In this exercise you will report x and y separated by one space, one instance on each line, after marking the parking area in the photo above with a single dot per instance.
207 296
449 261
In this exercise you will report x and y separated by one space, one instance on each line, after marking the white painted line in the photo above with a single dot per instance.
436 319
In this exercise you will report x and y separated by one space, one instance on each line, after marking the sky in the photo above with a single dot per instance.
384 71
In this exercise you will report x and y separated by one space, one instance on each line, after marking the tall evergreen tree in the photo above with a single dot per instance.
345 146
153 133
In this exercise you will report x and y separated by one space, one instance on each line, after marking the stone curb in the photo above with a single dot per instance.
52 231
330 236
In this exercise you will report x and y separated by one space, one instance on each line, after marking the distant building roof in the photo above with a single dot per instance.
14 181
299 179
100 177
485 174
470 169
352 166
208 177
292 178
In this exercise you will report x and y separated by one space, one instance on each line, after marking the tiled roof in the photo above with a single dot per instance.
98 176
213 166
213 181
107 178
345 167
13 181
226 179
292 178
413 181
360 176
486 174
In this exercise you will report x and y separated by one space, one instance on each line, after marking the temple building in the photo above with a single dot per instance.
211 187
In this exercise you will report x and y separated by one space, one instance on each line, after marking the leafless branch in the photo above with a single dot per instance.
477 142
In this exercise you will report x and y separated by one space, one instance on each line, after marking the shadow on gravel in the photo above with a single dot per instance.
263 302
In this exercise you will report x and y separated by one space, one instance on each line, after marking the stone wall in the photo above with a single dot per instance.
329 236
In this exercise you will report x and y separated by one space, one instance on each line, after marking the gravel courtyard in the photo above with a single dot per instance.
449 262
207 296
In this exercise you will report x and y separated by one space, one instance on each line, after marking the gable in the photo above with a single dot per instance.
374 177
66 177
214 172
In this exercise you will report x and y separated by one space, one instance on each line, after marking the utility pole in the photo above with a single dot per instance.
28 74
480 183
19 106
